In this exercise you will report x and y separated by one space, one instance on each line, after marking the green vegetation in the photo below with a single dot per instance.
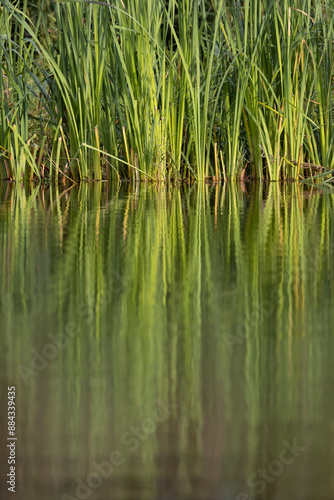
177 89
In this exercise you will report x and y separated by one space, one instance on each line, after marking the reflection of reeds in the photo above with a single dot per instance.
156 279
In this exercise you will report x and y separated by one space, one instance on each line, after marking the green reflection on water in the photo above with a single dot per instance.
216 299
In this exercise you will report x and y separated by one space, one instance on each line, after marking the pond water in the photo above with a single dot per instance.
168 342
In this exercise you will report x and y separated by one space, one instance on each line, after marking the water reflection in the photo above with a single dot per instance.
118 302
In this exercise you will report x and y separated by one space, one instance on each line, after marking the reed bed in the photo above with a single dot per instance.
166 89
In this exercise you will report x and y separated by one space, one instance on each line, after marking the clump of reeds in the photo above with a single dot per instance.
166 89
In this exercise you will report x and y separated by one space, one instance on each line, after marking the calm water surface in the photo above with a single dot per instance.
168 343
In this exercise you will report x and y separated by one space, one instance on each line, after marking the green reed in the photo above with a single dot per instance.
168 89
